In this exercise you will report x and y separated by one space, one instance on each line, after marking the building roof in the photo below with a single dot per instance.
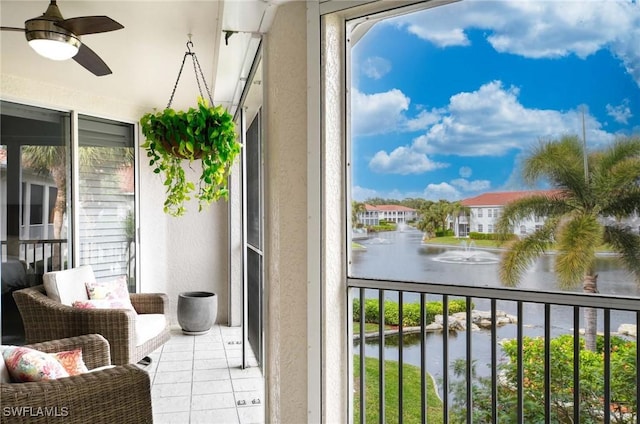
387 208
503 197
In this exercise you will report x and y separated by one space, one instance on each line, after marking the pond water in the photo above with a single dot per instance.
400 255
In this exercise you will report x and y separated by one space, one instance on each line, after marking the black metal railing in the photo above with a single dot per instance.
504 388
40 255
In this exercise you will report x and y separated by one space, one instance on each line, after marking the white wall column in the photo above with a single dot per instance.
285 112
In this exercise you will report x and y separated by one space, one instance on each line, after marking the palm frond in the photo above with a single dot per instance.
577 240
620 150
521 254
625 242
559 162
615 177
526 207
622 205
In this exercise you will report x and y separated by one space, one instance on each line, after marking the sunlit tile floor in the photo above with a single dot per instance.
199 379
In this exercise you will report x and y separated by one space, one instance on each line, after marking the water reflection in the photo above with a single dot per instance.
402 256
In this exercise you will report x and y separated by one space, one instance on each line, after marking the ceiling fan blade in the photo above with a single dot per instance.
11 29
89 24
91 61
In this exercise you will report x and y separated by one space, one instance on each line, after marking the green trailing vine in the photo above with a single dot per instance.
206 133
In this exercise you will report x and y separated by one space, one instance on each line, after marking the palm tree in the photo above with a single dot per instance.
52 160
356 209
584 212
427 221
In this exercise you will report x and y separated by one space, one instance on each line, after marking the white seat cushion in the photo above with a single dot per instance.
148 326
68 285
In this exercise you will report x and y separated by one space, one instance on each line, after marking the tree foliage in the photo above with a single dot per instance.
584 210
624 402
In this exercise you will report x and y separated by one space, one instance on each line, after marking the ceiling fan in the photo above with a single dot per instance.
54 37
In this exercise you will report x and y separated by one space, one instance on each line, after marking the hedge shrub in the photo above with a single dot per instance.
410 311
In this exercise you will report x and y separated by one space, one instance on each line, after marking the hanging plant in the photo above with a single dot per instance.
205 133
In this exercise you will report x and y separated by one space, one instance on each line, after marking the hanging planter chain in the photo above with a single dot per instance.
196 69
204 132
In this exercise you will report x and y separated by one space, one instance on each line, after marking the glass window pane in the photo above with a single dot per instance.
35 166
107 198
446 104
35 211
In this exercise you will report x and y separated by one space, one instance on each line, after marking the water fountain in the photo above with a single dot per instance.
468 254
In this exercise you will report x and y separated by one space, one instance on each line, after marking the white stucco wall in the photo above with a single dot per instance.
176 254
335 349
285 207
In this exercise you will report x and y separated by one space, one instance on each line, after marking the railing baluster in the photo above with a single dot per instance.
576 364
547 363
35 259
520 373
423 360
637 366
494 363
382 380
400 357
607 366
363 371
469 363
445 357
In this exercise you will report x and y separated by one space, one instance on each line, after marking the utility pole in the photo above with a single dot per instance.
584 149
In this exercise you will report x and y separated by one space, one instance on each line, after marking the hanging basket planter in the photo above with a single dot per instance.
205 133
173 147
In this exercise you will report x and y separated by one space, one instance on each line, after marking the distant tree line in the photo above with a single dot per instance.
433 216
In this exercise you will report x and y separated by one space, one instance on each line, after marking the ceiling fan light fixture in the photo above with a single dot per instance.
54 49
51 41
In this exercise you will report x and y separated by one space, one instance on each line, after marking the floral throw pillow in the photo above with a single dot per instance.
115 291
72 361
26 364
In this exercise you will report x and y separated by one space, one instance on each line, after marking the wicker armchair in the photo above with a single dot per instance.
116 395
45 319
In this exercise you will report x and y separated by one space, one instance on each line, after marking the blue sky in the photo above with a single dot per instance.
445 102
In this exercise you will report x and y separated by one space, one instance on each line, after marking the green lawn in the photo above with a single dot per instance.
411 393
454 241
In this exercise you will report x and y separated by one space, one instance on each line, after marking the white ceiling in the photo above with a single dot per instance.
145 56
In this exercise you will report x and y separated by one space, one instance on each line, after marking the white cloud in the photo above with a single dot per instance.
537 29
386 112
403 160
487 122
491 121
376 67
424 119
378 113
443 37
442 191
465 172
360 194
467 186
454 190
620 113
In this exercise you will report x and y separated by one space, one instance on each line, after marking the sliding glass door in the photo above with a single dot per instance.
34 202
64 200
35 179
106 198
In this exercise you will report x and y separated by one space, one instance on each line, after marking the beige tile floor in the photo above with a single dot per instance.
199 379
